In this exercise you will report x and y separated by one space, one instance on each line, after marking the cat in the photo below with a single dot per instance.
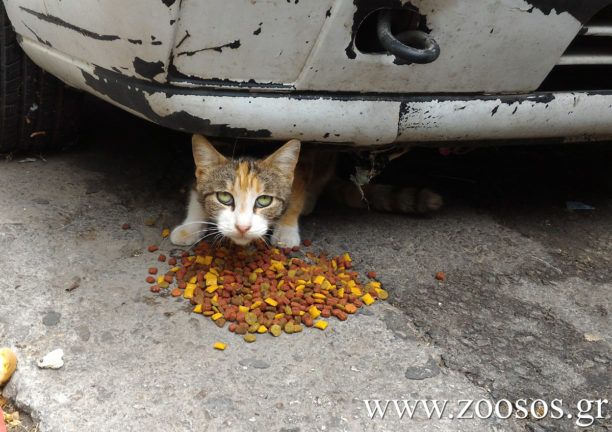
242 199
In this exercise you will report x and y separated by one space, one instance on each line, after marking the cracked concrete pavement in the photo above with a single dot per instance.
523 313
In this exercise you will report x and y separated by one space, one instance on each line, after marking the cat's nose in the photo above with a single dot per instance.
242 229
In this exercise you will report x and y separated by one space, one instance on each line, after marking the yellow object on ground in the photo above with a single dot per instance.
219 346
368 299
321 325
8 364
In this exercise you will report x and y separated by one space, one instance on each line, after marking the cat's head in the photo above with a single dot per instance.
243 197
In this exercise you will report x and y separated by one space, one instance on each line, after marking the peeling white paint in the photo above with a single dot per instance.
358 121
571 116
567 115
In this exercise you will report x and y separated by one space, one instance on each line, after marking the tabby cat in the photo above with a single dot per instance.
242 199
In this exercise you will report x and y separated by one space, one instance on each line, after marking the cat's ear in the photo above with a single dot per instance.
204 154
286 157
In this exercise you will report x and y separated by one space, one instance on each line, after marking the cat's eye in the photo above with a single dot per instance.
225 198
263 201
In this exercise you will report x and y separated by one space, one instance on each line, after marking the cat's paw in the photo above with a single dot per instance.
185 235
286 236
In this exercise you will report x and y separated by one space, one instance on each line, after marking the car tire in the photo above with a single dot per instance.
37 111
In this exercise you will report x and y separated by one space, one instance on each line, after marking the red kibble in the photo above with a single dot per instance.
155 288
372 275
150 279
441 276
152 248
152 270
126 226
307 242
161 258
172 261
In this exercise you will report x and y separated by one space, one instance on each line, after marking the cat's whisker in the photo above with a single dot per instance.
202 238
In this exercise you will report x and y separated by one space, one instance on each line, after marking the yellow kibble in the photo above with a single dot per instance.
340 293
326 285
8 364
356 291
219 346
319 296
255 305
197 308
319 301
302 313
216 316
258 270
215 298
347 257
189 289
211 289
262 329
280 284
301 282
314 312
382 294
160 279
321 325
243 309
351 283
191 258
165 232
175 269
279 315
368 299
319 279
200 259
193 280
214 271
271 302
211 279
374 284
300 287
334 264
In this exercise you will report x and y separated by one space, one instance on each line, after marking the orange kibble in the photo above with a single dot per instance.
152 248
441 276
176 292
350 308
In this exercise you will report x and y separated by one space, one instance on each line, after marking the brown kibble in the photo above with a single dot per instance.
172 261
155 289
339 314
176 292
161 258
150 279
441 276
307 242
152 270
372 274
242 328
153 248
126 226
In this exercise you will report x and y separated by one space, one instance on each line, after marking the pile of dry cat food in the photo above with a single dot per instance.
262 289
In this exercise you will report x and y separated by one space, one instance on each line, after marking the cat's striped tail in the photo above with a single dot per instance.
387 198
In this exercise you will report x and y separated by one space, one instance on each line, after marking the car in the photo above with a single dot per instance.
364 73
